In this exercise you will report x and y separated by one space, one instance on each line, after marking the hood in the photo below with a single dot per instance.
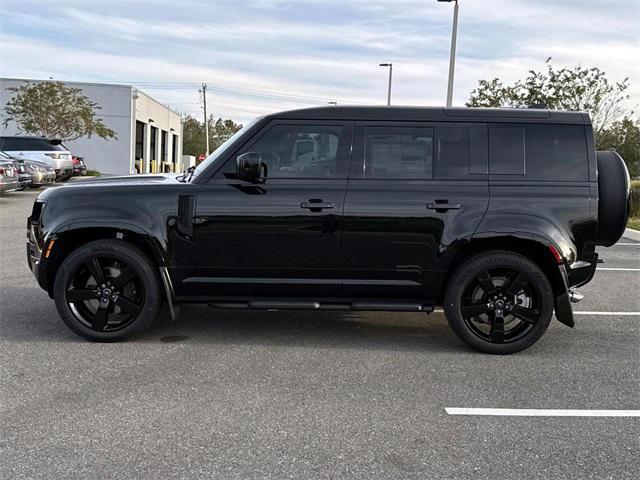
111 183
144 179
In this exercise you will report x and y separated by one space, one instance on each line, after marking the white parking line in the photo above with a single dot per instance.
624 314
541 412
625 244
581 312
600 269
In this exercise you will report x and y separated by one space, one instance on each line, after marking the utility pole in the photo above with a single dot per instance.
206 120
390 65
452 57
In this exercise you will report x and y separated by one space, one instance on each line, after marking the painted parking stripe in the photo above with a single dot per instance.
541 412
627 244
611 269
623 314
581 312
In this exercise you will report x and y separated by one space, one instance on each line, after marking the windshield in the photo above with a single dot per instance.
218 152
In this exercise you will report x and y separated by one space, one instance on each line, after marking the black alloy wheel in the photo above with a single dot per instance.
108 290
500 305
105 294
499 302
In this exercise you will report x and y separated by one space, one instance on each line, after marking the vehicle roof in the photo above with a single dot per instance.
34 137
435 114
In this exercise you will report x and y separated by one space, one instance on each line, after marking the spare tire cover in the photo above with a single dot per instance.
614 192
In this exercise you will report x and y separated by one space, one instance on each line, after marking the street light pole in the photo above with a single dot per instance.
390 65
452 58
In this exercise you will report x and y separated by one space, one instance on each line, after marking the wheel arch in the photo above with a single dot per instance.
536 250
69 240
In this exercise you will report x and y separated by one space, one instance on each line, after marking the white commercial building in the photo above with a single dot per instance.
148 134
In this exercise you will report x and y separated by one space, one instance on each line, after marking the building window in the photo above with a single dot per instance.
139 140
163 146
154 143
174 149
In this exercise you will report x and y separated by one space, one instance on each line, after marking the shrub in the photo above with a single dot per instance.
635 198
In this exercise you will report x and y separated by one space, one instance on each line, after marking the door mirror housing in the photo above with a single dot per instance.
251 168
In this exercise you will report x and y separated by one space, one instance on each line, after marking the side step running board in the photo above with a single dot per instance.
310 305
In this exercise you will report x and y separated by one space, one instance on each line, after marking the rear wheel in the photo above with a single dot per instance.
499 302
107 290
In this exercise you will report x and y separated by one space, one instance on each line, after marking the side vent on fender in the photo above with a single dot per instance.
185 215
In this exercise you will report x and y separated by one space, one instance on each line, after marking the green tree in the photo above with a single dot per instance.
578 89
53 110
193 134
624 137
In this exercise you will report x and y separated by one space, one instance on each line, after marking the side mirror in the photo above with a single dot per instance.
251 168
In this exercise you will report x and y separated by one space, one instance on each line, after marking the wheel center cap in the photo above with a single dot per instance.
106 292
499 304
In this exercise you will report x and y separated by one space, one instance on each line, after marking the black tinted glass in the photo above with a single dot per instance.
398 152
556 152
11 144
506 150
297 151
452 152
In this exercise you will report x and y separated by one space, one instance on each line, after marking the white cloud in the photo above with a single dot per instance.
325 49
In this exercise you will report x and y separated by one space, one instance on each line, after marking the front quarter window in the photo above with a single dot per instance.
218 153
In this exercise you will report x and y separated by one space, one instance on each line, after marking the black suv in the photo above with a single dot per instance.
494 214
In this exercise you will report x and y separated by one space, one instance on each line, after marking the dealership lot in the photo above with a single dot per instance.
234 394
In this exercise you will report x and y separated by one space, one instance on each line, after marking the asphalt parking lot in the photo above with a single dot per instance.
229 394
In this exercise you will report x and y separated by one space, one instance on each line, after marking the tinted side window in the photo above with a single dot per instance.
539 151
398 152
297 151
556 152
460 151
506 150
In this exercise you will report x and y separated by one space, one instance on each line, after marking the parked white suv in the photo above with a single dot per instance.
40 149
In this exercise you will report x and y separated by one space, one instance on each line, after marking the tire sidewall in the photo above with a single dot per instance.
129 255
472 267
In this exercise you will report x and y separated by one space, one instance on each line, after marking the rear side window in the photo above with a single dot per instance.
13 144
506 150
556 152
460 151
539 152
398 152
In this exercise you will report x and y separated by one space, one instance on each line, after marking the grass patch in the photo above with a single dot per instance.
92 173
634 223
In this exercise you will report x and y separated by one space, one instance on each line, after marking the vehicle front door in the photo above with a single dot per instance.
279 235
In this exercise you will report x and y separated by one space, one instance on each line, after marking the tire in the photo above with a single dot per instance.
524 299
614 197
128 304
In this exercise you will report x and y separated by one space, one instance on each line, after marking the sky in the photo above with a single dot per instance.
262 56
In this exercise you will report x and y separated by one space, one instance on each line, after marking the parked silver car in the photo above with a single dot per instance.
8 176
41 173
39 149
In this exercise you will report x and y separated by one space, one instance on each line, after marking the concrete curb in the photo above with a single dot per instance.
632 234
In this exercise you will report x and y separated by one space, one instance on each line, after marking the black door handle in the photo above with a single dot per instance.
316 205
443 205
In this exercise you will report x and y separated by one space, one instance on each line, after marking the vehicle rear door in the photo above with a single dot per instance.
415 190
280 237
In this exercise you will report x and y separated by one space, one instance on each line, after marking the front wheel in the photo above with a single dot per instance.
107 290
499 302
